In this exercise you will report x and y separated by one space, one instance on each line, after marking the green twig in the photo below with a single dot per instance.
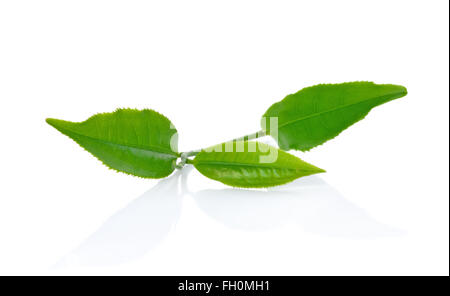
185 155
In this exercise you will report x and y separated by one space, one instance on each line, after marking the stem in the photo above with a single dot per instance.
259 134
256 135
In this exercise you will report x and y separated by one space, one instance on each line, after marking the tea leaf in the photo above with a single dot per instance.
319 113
251 164
141 143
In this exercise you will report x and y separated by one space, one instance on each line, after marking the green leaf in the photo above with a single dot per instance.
141 143
319 113
251 165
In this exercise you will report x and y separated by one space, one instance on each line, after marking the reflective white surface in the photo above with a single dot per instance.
309 204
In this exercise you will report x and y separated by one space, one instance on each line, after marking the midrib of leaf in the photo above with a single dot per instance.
153 148
237 164
335 109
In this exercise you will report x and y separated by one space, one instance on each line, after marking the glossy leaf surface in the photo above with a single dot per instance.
141 143
319 113
251 165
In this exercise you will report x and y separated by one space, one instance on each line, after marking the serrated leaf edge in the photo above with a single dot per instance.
177 154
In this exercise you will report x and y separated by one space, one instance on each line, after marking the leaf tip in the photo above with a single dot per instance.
319 170
312 169
56 123
400 90
404 91
51 121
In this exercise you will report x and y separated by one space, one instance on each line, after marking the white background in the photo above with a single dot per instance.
213 68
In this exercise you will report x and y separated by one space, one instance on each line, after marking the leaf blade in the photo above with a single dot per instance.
140 143
245 168
319 113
